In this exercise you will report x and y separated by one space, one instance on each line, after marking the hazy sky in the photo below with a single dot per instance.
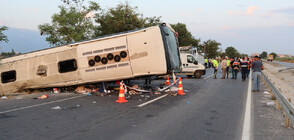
248 25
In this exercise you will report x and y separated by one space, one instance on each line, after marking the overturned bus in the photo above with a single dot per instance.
145 52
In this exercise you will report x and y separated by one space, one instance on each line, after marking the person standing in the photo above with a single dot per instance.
244 68
224 66
236 68
257 66
215 66
209 63
232 68
205 62
228 67
212 62
249 63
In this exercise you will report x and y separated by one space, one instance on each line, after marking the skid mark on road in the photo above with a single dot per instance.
27 107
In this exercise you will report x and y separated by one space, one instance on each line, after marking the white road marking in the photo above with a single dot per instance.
146 103
208 77
246 134
27 107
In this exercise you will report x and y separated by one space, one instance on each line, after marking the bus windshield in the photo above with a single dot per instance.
171 49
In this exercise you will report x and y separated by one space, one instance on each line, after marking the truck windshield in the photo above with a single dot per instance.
171 49
191 59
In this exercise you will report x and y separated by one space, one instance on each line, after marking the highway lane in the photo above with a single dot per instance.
211 109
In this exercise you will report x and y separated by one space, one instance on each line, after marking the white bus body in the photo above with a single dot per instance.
144 52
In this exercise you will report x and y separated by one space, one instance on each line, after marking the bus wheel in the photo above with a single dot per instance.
197 74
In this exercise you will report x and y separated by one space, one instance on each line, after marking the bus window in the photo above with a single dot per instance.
8 76
67 66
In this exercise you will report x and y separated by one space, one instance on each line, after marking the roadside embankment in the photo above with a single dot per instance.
282 77
288 60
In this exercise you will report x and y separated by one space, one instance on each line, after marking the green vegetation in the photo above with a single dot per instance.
70 24
7 54
122 18
184 36
231 52
274 55
76 22
288 59
263 55
2 36
211 48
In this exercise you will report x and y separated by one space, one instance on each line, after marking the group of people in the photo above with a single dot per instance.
234 65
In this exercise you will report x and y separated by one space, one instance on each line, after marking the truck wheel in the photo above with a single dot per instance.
197 74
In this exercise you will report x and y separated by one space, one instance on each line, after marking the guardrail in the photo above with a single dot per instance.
288 108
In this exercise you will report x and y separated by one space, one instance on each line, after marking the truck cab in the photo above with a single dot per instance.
270 57
190 66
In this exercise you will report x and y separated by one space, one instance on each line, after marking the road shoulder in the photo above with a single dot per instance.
268 122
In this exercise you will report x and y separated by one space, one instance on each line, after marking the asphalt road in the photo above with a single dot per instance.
211 109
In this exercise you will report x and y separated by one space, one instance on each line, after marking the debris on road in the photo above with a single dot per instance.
157 93
83 90
133 92
270 103
174 89
18 98
95 90
44 96
4 98
266 92
94 102
56 108
56 90
172 93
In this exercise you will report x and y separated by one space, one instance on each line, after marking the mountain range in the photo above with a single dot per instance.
23 41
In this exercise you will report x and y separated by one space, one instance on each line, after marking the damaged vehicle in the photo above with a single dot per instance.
145 52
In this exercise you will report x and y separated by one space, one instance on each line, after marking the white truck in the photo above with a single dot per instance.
190 66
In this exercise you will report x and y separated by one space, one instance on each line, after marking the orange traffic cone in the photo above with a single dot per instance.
180 90
121 95
167 81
